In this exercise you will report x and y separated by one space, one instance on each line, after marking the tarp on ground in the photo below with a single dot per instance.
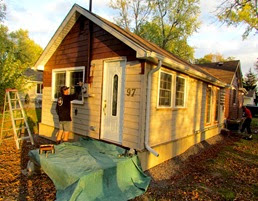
92 170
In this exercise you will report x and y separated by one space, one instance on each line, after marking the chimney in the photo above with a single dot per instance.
90 6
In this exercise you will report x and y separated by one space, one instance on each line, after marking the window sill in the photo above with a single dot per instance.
171 108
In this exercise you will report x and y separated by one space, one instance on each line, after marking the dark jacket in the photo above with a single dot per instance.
63 106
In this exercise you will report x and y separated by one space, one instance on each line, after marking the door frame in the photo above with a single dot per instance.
122 98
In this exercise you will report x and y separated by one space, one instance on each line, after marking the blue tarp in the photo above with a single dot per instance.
92 170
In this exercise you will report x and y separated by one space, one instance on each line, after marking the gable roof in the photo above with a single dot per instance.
224 71
144 49
35 75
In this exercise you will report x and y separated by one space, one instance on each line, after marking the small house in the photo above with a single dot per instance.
32 97
230 73
136 95
249 98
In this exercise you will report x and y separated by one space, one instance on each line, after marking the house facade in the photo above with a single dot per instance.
137 95
230 73
32 97
249 98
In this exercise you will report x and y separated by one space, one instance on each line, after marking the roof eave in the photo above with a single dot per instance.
182 68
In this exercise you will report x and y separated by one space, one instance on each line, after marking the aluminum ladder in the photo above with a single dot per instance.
13 106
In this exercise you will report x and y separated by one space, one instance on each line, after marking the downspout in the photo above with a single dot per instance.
147 123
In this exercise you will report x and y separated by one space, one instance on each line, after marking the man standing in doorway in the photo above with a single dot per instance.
63 110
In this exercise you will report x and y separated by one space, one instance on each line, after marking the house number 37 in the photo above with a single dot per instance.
130 92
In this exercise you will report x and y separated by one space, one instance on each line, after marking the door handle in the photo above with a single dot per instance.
104 107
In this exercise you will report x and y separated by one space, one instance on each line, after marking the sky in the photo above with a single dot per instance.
42 18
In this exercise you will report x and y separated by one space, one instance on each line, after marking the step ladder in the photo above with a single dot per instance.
14 110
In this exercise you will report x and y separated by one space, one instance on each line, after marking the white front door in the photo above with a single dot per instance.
113 101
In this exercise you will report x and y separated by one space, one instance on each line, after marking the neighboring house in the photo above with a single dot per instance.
230 73
249 98
32 97
138 95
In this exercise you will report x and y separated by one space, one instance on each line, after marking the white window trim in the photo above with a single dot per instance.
171 98
185 92
67 80
40 88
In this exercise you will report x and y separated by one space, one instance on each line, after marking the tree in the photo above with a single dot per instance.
2 10
249 81
17 53
169 24
236 12
132 13
209 58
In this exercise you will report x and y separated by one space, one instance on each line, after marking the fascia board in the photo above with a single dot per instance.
185 69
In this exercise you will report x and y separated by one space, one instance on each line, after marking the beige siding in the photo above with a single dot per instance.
132 107
168 124
89 114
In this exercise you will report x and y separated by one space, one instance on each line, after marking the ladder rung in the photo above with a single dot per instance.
14 99
24 138
23 127
16 109
4 130
17 119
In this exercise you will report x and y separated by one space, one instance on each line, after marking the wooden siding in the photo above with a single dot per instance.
89 113
133 108
169 124
73 50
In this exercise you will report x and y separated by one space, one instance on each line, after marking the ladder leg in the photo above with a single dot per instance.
25 120
3 119
13 122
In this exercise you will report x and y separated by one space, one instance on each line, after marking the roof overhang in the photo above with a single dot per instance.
174 65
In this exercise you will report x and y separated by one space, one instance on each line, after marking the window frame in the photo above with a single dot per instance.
171 90
41 88
67 72
185 94
210 106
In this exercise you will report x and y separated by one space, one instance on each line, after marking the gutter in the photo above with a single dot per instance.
147 123
183 68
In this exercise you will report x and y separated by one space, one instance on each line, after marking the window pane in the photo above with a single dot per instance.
217 106
115 91
208 105
39 88
180 91
165 89
59 82
75 78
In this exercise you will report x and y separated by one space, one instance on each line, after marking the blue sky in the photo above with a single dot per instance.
42 17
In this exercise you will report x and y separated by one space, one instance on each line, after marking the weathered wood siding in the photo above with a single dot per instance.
73 50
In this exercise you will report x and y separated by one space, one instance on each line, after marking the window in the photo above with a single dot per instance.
114 99
39 88
216 118
180 92
208 105
165 84
67 77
